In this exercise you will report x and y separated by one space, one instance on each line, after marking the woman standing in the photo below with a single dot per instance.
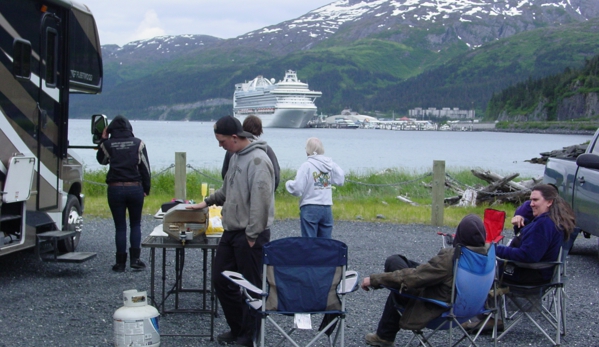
313 183
128 180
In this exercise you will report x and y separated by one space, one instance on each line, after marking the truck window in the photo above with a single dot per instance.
21 65
51 52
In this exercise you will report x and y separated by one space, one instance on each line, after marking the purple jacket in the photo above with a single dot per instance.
539 241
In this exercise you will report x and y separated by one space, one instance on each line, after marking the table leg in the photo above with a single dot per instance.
163 293
152 269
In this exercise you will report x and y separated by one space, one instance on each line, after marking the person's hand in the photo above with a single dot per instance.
251 243
366 283
197 206
518 221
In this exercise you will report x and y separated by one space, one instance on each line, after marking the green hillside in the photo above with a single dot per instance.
546 93
367 75
469 80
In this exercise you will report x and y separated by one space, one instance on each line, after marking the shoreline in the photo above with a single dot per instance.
544 131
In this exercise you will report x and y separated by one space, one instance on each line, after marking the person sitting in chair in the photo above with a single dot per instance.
541 239
432 280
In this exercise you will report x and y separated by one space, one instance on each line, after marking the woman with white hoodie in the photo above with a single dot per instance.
313 184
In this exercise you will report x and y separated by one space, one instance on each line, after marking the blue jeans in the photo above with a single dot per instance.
120 200
316 221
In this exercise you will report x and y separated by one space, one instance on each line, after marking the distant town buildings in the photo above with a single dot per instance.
452 113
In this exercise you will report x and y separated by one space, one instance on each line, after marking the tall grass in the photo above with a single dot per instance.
366 196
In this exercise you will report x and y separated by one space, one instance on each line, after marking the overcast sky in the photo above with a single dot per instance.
123 21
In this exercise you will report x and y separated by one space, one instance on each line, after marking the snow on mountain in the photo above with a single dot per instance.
431 24
472 21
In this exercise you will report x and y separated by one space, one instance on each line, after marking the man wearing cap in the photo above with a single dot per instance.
247 198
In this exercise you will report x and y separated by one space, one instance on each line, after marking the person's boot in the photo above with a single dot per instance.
135 262
121 262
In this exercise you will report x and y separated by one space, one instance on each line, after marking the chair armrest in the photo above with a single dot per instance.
534 266
238 279
351 282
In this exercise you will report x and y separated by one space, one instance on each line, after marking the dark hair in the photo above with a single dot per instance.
560 211
253 124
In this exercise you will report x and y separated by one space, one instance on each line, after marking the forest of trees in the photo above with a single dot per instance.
522 98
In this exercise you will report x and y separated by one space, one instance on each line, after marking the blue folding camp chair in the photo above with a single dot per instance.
302 277
473 278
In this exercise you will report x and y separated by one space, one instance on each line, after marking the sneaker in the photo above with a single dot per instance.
226 338
373 339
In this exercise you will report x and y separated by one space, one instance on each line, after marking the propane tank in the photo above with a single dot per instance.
136 323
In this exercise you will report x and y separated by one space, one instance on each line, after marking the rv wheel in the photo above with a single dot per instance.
72 220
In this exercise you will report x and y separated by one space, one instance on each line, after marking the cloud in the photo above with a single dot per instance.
120 22
149 27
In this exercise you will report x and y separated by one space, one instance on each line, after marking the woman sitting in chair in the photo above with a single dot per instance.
541 239
432 280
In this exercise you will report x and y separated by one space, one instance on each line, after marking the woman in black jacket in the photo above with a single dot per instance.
128 180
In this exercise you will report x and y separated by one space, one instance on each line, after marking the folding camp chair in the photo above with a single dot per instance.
494 220
473 278
545 299
302 277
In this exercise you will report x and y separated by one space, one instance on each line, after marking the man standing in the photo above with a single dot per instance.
247 197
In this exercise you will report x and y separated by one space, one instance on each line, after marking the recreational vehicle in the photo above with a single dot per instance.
48 49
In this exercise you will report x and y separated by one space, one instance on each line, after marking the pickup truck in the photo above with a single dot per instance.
578 183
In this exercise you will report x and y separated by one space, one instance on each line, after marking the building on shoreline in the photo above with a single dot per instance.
452 113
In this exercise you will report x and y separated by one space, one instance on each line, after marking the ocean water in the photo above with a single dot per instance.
356 150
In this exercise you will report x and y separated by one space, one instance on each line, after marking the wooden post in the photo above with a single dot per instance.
438 193
180 175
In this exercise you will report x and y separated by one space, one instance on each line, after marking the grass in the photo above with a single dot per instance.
370 196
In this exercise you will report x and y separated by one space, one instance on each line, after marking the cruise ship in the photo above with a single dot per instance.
285 104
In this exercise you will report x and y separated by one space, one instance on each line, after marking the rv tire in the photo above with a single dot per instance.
71 220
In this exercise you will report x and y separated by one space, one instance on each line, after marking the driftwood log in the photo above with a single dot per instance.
566 152
500 190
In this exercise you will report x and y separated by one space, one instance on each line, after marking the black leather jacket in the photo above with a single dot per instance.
126 155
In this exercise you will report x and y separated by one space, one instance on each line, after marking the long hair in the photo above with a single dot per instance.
560 211
253 124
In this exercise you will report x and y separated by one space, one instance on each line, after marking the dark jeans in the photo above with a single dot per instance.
389 323
235 254
120 200
316 221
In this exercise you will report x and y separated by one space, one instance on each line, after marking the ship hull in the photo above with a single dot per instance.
284 118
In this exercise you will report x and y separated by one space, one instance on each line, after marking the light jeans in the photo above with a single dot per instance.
316 221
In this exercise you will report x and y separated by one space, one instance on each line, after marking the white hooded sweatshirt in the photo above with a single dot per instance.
314 179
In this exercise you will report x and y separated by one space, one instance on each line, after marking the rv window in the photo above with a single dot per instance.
51 52
21 66
85 64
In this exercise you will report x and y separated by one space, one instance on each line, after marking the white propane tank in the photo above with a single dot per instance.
136 323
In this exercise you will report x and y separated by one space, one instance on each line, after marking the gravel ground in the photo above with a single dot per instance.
47 304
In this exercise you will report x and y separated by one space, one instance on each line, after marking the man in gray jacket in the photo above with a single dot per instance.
247 198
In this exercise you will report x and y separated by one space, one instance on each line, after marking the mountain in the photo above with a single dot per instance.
571 95
383 55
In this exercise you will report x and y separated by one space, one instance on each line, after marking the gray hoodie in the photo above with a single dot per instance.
314 180
247 194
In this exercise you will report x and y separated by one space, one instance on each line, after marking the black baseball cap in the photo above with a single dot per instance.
229 125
